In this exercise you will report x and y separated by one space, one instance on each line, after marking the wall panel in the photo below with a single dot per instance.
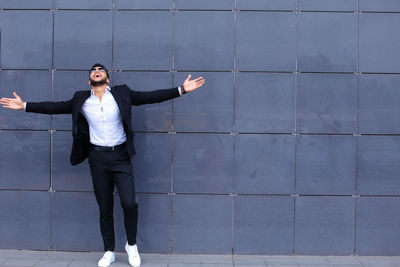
26 39
25 220
82 38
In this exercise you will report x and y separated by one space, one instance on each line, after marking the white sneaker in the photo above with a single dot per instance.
133 255
108 258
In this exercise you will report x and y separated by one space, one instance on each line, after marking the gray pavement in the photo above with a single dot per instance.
28 258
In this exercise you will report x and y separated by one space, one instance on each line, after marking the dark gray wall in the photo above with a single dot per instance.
292 145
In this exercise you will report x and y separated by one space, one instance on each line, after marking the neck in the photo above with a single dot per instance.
99 90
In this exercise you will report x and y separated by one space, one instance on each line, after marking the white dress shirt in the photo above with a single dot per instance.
104 119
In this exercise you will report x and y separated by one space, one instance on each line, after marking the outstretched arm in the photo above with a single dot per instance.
16 103
13 103
140 97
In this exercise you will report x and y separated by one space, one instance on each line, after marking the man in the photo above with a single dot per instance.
102 131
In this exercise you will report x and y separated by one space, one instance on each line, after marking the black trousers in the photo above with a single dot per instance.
111 168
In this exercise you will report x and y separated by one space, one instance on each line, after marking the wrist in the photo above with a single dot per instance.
181 90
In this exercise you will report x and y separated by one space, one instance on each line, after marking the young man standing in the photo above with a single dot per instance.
102 132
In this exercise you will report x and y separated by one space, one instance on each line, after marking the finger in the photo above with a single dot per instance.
199 78
16 96
200 82
199 85
188 77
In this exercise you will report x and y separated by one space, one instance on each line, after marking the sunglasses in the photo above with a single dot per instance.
99 69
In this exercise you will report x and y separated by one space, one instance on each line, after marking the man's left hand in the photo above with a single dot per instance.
191 85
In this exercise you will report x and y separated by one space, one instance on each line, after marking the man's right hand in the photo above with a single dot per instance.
12 103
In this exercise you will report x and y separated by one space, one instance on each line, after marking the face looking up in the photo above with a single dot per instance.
98 76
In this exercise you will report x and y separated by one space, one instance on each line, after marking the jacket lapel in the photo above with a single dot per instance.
80 100
119 101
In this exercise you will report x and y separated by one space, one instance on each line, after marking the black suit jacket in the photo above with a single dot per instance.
125 98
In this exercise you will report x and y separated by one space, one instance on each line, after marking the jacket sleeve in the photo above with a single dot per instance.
62 107
157 96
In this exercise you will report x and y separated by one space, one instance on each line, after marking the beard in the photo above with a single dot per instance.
101 82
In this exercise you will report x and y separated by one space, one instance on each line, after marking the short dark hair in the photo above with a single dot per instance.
98 65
